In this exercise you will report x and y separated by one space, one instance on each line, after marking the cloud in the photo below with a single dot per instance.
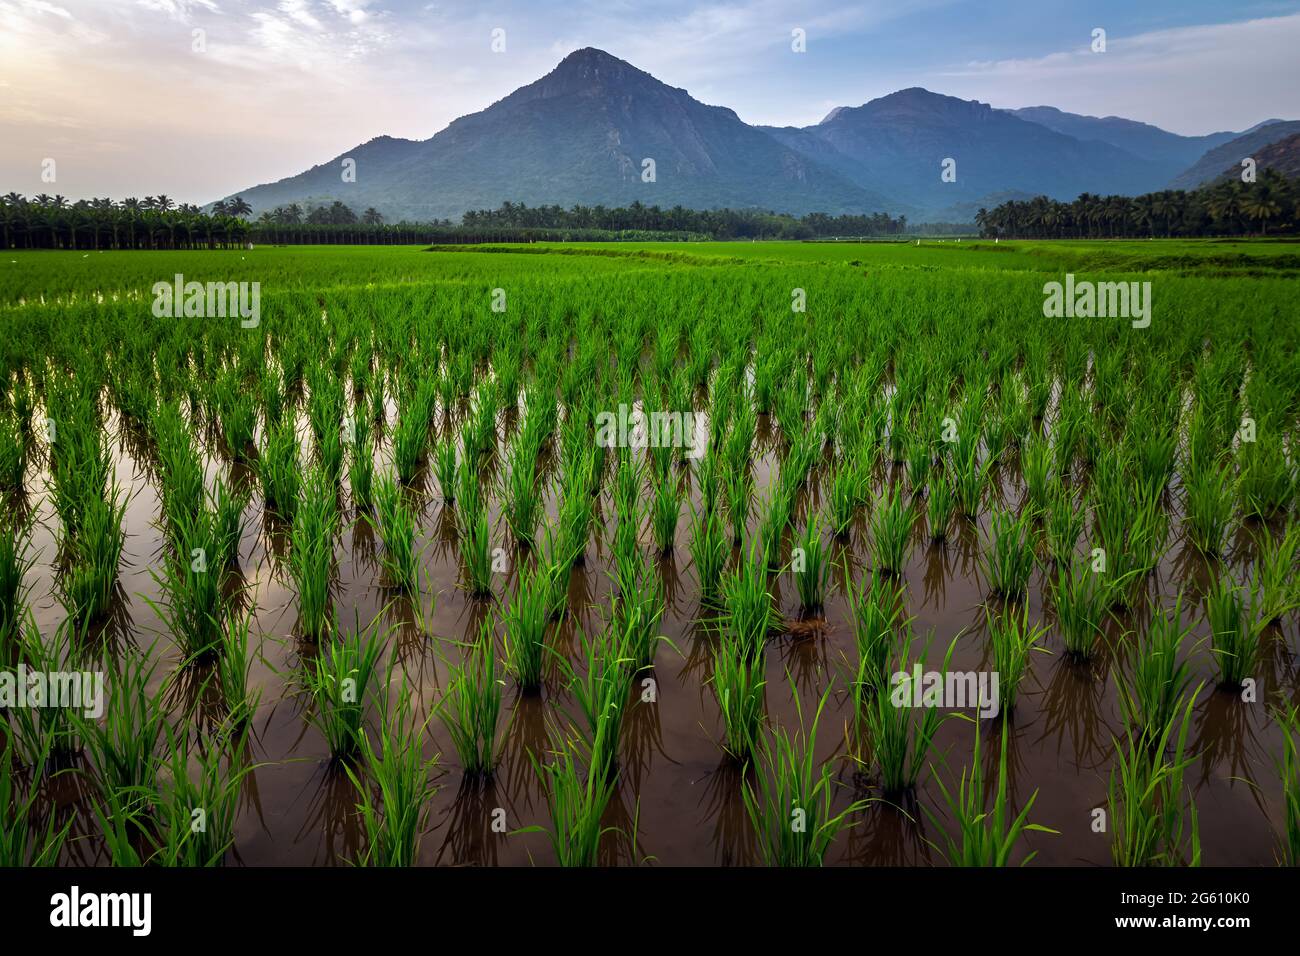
1191 80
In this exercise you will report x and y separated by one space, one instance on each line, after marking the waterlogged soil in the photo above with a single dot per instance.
679 801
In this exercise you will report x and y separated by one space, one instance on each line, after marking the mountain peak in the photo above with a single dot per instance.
590 55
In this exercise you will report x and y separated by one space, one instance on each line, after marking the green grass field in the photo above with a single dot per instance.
393 477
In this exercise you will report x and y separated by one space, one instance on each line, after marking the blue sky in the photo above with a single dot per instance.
117 93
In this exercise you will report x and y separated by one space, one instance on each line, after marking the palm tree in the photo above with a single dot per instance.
1261 203
238 207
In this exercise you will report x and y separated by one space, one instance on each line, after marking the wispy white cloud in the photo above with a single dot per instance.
1190 80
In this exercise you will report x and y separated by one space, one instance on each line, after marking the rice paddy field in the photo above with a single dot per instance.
368 582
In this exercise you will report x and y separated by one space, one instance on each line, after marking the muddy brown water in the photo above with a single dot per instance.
677 793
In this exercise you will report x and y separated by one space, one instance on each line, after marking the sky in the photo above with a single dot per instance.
200 98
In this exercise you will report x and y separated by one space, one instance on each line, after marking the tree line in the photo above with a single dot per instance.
157 222
714 223
1270 205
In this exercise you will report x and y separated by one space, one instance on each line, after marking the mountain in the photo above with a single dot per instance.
1281 157
580 135
898 142
1228 156
1173 151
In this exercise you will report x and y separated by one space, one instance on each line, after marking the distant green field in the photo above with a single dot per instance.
31 274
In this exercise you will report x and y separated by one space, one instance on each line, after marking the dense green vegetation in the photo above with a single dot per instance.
1227 208
393 480
51 222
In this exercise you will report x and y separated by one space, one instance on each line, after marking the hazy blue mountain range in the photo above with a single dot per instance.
1229 155
580 134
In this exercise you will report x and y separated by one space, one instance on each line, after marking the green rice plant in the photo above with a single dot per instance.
628 481
1155 448
94 555
986 836
337 680
1265 483
791 806
469 493
181 470
127 835
13 454
1035 466
708 479
601 691
969 479
329 453
1146 541
394 806
901 741
811 569
877 616
523 501
1289 768
280 472
1274 583
228 506
709 552
213 791
80 467
52 731
1062 526
470 708
638 611
771 528
920 459
410 440
1013 640
891 529
556 566
1080 609
939 506
361 464
740 495
1158 681
448 470
400 557
311 553
576 510
1008 557
22 842
192 603
577 798
738 682
665 510
476 551
847 489
125 747
526 617
15 562
232 671
1151 823
1234 632
749 611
